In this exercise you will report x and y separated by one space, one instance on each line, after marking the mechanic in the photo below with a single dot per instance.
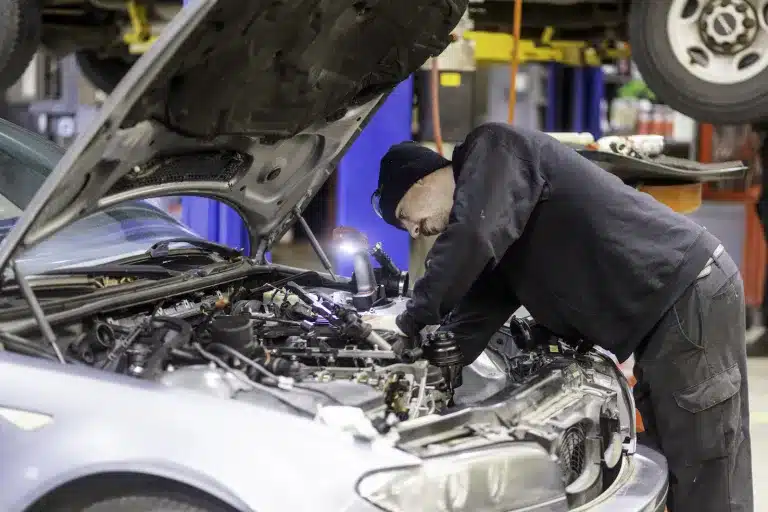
524 220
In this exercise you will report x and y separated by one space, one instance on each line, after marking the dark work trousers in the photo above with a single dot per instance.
691 391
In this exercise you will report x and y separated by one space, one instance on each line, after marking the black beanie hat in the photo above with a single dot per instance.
401 167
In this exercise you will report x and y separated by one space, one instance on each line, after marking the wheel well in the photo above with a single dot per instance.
92 488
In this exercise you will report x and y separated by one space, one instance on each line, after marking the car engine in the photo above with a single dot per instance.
307 349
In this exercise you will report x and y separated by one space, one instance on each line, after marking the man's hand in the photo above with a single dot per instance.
383 323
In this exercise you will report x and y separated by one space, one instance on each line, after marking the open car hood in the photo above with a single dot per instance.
251 103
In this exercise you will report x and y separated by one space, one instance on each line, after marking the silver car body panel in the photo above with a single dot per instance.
234 451
120 424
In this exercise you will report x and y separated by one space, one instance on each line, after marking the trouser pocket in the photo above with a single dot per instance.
700 431
702 422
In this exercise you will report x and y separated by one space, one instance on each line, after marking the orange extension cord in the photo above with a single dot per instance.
434 79
515 65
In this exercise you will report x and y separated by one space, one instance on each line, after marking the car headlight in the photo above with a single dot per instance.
499 478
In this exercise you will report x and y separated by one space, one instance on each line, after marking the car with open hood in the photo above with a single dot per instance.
146 369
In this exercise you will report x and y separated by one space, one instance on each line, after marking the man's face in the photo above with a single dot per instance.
425 208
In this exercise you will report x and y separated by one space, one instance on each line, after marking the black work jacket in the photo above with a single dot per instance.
536 224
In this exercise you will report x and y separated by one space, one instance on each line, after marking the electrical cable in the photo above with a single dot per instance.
282 281
243 359
420 396
516 24
320 392
256 366
255 385
434 85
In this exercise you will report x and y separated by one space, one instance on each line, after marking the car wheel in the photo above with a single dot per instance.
20 27
708 59
152 504
104 73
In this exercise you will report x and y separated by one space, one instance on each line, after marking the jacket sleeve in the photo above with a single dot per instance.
479 315
495 194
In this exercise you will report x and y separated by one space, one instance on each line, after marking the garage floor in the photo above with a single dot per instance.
301 255
758 391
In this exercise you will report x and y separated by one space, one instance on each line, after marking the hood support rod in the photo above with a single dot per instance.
37 311
315 244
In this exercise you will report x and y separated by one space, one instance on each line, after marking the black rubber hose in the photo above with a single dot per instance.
26 347
281 282
154 366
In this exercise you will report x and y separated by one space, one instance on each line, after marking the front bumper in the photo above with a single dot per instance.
641 485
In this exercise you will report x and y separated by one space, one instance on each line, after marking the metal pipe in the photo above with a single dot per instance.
378 342
365 280
315 244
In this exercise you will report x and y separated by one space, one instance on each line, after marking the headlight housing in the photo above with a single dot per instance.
499 478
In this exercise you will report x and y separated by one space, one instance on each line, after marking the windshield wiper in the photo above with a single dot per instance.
85 278
161 249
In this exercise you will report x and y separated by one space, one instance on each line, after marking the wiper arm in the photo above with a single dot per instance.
84 276
160 249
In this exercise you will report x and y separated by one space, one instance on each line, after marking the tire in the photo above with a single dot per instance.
104 73
128 493
20 27
732 103
151 504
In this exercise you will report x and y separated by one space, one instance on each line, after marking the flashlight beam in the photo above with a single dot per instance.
315 244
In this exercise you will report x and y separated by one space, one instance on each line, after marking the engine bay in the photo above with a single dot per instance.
302 343
271 338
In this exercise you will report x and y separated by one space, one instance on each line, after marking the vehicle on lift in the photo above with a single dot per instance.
163 372
705 58
107 36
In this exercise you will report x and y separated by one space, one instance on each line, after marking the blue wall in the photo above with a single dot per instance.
359 174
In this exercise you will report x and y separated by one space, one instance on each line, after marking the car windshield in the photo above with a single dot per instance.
118 232
20 178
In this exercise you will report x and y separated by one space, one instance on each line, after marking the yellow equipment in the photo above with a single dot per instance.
140 38
498 47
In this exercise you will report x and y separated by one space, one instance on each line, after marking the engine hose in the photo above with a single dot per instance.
282 281
181 337
365 279
516 24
